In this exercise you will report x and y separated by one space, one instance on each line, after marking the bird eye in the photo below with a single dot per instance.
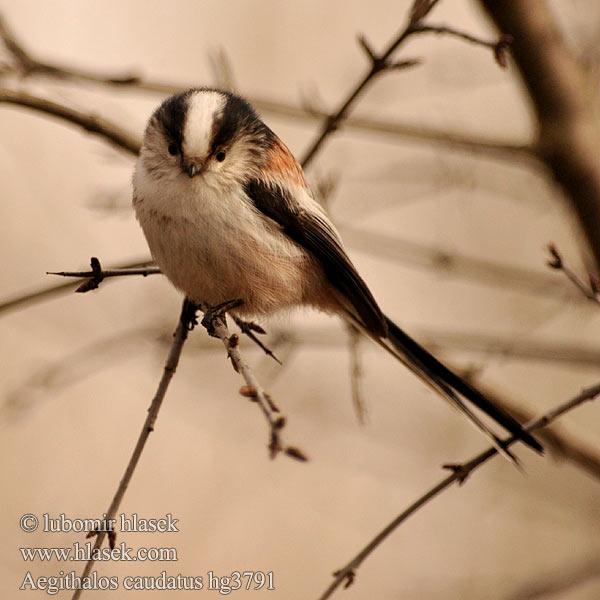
173 149
220 156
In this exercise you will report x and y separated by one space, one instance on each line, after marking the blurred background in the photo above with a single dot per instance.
450 239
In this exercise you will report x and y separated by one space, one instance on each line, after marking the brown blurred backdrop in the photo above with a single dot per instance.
78 371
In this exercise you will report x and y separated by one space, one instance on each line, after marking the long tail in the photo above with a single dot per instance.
451 386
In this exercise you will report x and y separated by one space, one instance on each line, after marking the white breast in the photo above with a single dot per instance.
216 246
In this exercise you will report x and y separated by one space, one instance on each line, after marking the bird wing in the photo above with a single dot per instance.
310 228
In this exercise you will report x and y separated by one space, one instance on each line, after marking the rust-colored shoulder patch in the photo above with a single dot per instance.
282 164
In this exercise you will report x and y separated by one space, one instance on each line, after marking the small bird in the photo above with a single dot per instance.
228 215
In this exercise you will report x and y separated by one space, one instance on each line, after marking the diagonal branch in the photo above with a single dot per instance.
472 268
382 62
568 139
216 325
97 275
460 473
179 337
499 47
90 122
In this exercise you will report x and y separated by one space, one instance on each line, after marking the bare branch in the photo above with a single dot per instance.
95 277
215 323
562 446
360 407
437 340
499 47
568 132
28 66
379 63
460 473
127 141
250 329
382 62
90 122
438 259
179 337
28 298
590 291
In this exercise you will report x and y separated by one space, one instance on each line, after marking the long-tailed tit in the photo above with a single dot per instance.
228 215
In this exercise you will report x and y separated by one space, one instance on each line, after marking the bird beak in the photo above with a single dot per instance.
193 169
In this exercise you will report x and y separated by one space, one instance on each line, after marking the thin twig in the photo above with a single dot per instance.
381 63
27 66
591 291
90 122
561 445
95 277
214 321
568 132
499 47
150 270
27 298
347 574
250 329
472 268
179 337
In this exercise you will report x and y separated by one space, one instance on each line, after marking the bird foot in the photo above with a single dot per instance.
217 313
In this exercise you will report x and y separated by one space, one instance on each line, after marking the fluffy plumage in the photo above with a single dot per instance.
228 215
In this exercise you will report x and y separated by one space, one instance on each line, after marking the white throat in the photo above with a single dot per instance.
202 109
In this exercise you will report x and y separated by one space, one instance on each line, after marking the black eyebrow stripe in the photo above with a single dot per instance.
171 115
237 116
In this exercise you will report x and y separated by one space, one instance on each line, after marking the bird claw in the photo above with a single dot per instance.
216 313
188 315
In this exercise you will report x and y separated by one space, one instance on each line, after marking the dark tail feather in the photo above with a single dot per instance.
445 379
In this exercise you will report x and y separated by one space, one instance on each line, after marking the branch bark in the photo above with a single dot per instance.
179 337
568 140
90 122
347 574
27 65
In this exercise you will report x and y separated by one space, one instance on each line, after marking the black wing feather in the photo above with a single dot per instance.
316 235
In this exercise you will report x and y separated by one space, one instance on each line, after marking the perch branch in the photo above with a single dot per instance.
347 574
215 323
